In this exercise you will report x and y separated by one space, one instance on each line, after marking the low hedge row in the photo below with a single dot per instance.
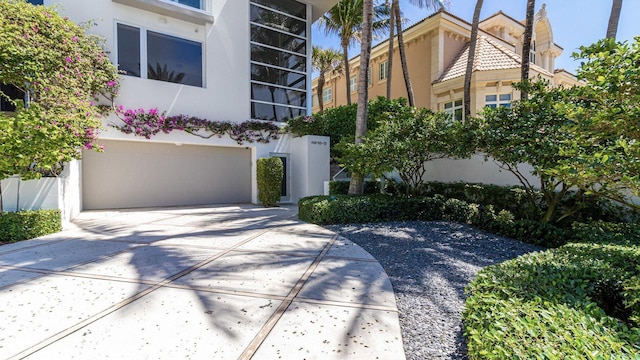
511 198
344 209
23 225
579 301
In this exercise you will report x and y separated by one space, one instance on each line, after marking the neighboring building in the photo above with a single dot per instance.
237 60
437 51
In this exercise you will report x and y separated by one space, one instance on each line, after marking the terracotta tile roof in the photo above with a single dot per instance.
490 55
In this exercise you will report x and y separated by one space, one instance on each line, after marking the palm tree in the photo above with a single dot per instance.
390 53
614 18
346 20
526 46
324 61
396 17
470 59
356 185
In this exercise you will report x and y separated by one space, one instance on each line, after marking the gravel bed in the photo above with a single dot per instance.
429 265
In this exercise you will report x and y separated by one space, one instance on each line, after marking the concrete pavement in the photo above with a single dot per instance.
216 282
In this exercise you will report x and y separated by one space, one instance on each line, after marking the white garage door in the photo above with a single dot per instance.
137 174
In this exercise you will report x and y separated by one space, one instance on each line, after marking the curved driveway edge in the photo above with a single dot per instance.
215 282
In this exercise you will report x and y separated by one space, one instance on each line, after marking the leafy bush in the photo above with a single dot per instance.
577 301
24 225
342 187
269 173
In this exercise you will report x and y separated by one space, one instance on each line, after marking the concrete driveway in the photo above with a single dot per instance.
218 282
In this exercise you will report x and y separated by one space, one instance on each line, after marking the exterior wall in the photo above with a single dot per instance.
225 94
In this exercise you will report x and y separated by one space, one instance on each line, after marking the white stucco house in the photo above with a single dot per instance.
222 50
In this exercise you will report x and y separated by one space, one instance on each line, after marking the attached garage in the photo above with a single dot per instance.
142 174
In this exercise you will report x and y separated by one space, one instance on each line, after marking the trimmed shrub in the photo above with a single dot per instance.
269 173
577 301
24 225
342 187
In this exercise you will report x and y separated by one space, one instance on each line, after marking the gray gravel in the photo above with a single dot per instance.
429 264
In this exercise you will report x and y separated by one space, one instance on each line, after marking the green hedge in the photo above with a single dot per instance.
344 209
580 301
269 172
23 225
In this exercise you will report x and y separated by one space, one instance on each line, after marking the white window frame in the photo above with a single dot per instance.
450 108
144 50
384 70
327 95
499 101
353 83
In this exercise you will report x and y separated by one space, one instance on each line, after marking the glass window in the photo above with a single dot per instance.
280 77
12 93
277 39
36 2
278 21
290 7
384 70
454 108
193 3
279 58
327 95
275 94
129 50
353 84
279 43
274 112
169 58
493 101
174 59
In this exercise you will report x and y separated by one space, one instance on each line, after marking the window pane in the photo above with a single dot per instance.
192 3
491 98
173 59
278 39
278 77
278 95
278 58
505 97
448 105
286 6
278 21
36 2
458 114
13 93
129 50
458 103
274 112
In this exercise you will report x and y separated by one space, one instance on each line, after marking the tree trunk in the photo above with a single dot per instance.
526 46
403 56
356 186
473 41
614 18
347 72
390 56
321 81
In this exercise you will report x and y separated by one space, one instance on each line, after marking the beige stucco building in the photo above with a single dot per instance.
437 51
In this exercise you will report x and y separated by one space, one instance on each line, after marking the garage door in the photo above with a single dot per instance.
137 174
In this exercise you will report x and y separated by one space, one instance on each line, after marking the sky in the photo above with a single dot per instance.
574 22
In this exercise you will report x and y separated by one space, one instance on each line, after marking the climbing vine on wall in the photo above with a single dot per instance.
148 123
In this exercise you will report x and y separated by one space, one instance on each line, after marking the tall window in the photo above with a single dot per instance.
279 42
493 101
384 70
327 95
169 58
353 84
454 108
532 52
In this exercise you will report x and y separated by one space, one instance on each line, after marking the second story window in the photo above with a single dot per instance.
532 52
454 109
168 58
493 101
353 84
327 95
384 70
